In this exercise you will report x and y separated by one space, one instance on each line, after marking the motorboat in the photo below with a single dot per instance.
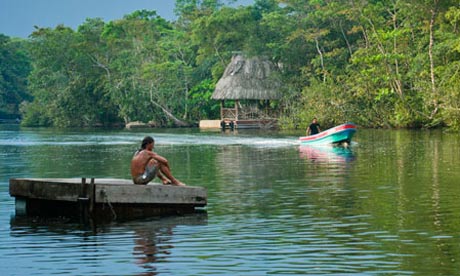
341 134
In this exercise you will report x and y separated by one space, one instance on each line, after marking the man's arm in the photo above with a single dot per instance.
160 158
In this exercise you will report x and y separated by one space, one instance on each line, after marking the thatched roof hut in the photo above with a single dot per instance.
248 79
252 80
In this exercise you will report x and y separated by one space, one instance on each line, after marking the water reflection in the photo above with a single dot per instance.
326 154
89 246
146 251
153 239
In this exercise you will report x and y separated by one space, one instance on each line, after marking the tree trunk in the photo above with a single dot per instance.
177 122
321 57
434 12
350 51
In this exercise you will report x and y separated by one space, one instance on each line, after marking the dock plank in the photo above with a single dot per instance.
45 189
158 194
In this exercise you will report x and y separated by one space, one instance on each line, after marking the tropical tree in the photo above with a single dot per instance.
389 63
14 69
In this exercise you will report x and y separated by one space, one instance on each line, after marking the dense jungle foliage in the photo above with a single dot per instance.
390 63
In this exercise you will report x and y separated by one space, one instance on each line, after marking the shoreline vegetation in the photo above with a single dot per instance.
384 64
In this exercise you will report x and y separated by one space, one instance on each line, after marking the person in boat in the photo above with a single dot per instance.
146 165
313 128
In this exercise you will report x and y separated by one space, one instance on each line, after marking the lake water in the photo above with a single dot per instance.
388 206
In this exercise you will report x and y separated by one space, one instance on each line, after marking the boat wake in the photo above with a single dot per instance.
88 139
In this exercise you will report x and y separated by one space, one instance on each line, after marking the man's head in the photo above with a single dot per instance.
146 141
315 120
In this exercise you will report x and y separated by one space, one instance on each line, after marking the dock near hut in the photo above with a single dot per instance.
102 199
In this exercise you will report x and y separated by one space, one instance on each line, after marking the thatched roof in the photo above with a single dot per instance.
248 78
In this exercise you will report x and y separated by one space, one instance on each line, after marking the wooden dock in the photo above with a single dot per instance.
102 199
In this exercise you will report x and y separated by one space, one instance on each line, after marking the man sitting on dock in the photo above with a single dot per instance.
146 165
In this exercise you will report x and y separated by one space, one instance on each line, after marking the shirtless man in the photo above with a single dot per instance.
146 164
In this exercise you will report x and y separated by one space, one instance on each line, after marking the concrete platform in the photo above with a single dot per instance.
102 198
210 124
240 124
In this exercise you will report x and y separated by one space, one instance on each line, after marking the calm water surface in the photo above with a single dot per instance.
388 206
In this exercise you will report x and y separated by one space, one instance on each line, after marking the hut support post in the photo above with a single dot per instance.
222 110
236 112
